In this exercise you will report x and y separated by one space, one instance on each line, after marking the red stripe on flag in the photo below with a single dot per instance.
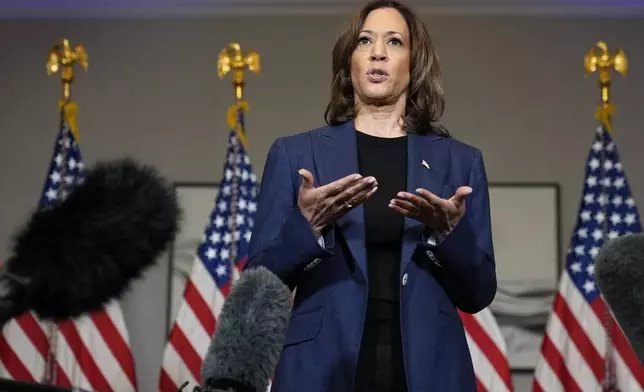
166 384
61 378
242 263
84 357
479 386
620 342
579 337
186 351
536 387
200 308
115 343
34 332
12 362
550 353
488 348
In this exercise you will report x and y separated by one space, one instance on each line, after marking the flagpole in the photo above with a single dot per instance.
603 62
62 57
232 59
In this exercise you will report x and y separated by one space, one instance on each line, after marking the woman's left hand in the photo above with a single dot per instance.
438 214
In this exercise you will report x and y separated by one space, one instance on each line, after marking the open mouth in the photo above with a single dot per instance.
377 75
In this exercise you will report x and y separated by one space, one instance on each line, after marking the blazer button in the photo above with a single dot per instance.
312 264
404 279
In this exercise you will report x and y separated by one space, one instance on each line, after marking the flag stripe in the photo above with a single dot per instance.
62 378
626 380
492 353
29 355
79 350
484 366
547 378
563 340
165 383
188 353
580 311
67 364
589 358
27 322
199 309
117 349
621 344
193 331
107 365
13 364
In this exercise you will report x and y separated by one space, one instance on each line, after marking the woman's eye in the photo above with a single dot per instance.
396 41
363 40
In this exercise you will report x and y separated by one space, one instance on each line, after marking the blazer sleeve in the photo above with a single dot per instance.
282 239
465 264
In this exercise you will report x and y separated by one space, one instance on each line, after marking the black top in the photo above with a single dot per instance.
380 363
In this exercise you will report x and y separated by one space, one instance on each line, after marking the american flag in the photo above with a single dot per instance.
488 352
91 352
584 348
219 259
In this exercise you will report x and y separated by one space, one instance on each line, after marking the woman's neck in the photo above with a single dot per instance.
381 121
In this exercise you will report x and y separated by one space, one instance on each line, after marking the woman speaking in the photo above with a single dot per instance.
381 221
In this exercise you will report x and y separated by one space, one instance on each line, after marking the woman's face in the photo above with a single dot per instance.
380 62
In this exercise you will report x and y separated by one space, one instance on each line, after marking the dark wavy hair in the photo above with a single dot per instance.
425 96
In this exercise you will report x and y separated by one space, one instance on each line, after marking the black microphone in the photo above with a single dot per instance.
619 271
75 256
249 337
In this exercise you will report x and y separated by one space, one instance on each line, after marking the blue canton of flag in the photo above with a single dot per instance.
607 208
66 169
227 235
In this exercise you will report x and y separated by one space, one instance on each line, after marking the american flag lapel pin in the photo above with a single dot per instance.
425 165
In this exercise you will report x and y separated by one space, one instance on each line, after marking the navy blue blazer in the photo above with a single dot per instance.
323 337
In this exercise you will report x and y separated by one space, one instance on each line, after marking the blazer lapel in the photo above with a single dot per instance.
427 160
335 156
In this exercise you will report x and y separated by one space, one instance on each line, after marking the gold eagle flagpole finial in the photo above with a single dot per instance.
232 59
63 56
600 60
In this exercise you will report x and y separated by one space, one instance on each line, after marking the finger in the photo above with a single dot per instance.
359 198
400 210
460 195
418 201
404 204
307 179
356 191
362 196
336 187
431 198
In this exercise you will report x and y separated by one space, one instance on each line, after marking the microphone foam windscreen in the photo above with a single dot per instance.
619 271
250 332
84 251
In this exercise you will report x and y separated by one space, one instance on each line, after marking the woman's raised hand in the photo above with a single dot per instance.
321 206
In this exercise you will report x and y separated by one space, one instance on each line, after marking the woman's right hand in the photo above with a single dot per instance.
321 206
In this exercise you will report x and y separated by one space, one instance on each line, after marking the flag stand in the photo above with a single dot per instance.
604 63
62 57
224 248
232 59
